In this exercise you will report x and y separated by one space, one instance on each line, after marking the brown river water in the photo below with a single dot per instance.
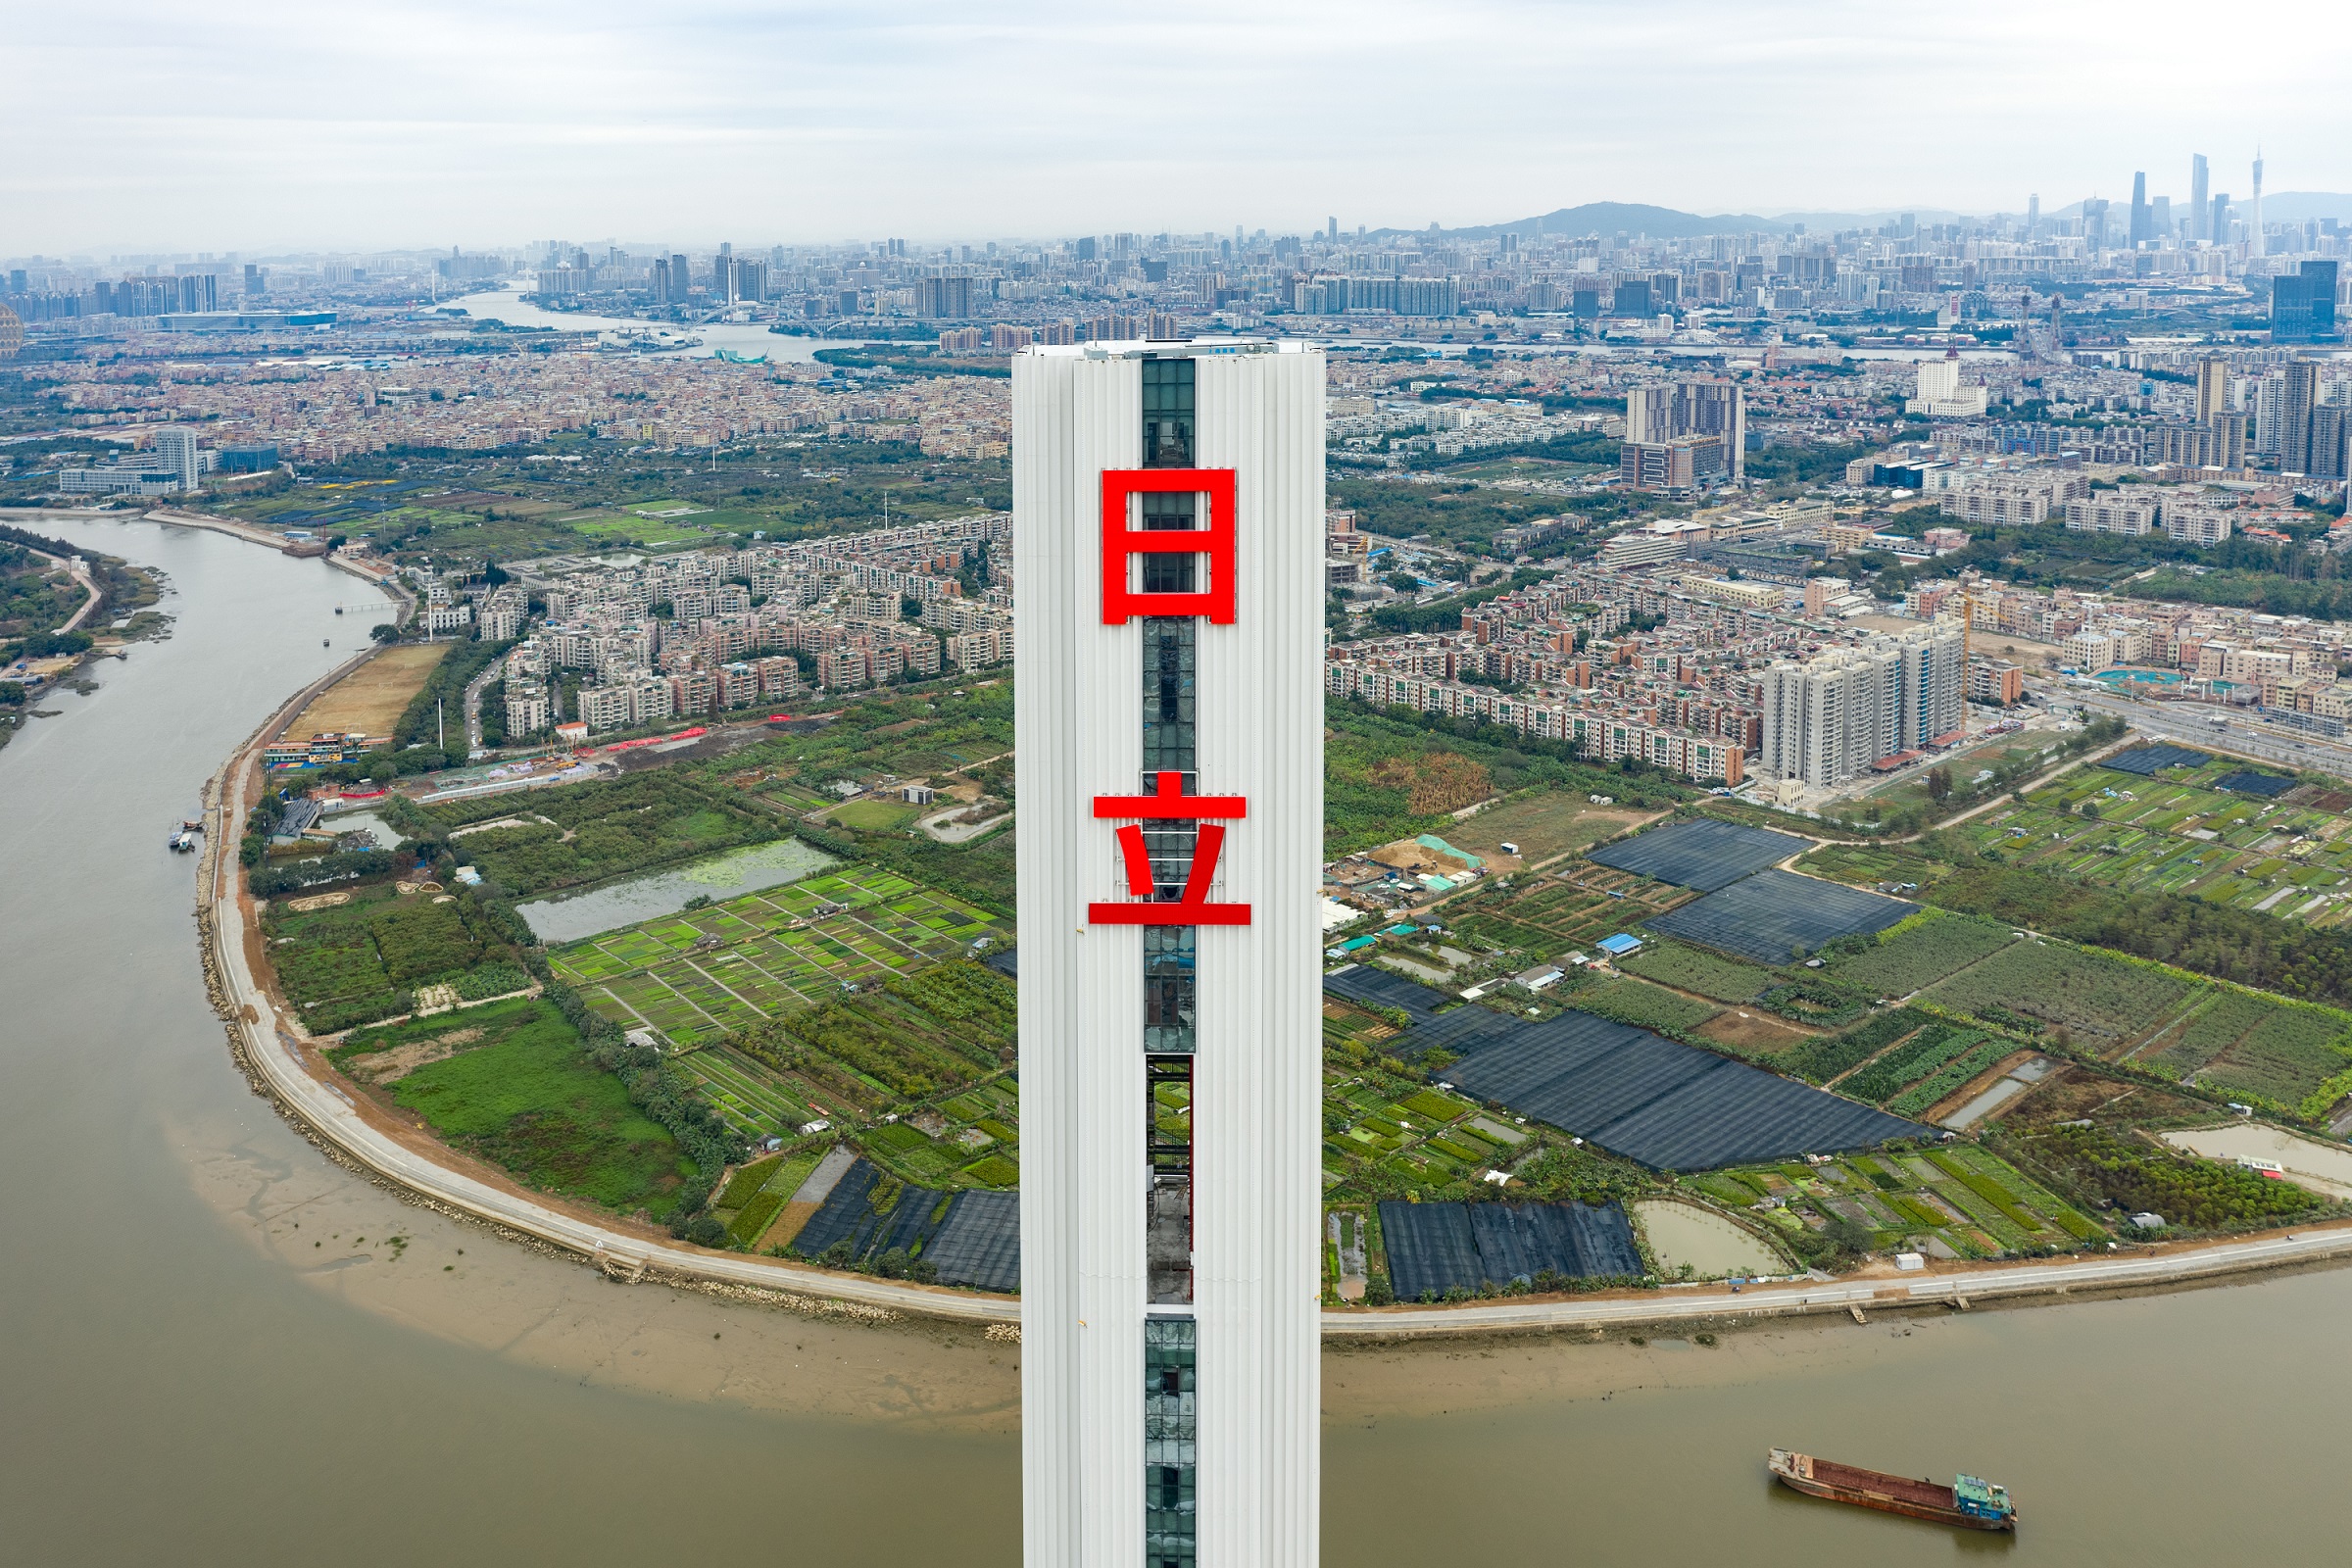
221 1349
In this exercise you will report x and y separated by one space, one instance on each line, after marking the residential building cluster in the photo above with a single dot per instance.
615 647
1570 660
322 408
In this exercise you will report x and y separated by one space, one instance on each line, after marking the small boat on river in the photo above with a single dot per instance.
1968 1501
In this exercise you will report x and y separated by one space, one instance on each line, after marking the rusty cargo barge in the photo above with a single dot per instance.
1969 1502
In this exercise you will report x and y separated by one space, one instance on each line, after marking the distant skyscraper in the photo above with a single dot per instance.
2303 304
2033 214
2142 226
255 282
2267 404
175 454
2298 398
681 278
2094 222
2257 245
1827 719
2213 387
1708 418
946 299
2200 213
2217 226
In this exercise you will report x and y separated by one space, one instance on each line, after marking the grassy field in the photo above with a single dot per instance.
877 816
520 1094
373 695
1543 824
1386 778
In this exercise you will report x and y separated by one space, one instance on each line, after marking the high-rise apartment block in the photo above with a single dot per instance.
2299 395
2303 304
1940 393
176 453
1828 718
2213 388
946 299
1168 499
1684 435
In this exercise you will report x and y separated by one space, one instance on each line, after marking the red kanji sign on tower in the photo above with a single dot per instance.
1168 804
1120 603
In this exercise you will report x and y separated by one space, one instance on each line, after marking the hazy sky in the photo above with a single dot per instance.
266 125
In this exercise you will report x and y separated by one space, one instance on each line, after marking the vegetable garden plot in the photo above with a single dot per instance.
2148 759
2103 999
2266 785
1921 955
1770 914
979 1243
2285 1056
1666 1105
1696 969
843 1209
1703 853
1435 1248
1357 982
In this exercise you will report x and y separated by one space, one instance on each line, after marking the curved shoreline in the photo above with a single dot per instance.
273 1059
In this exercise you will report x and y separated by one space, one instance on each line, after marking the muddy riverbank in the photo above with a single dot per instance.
225 1349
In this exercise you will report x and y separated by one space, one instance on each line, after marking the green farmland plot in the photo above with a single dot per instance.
2176 837
702 973
2105 1001
1963 1201
752 1100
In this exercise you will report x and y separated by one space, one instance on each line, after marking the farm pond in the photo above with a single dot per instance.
1712 1246
721 876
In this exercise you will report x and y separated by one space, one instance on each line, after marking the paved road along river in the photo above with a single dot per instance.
224 1348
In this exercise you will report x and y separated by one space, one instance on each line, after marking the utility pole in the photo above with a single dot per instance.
440 736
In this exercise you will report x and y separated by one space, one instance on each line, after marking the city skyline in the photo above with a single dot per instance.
271 128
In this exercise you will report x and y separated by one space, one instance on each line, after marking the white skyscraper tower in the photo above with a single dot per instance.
2257 243
1170 734
176 453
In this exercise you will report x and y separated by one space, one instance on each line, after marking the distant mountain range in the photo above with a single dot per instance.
2301 205
1631 218
1667 222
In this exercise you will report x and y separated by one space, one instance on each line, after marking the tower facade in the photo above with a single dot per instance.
1169 505
2257 243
